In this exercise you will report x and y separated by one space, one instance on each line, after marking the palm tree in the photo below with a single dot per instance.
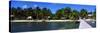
83 13
67 12
28 12
64 12
74 15
59 13
94 15
37 10
46 12
13 11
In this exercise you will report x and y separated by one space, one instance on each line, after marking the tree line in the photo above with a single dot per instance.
45 13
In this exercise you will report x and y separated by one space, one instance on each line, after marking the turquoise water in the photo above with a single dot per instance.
40 26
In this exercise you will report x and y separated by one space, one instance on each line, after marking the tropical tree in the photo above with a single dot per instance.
94 15
64 12
46 12
67 12
28 11
37 11
13 13
59 13
74 15
83 13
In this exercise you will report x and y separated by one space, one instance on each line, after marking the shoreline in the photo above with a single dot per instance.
49 20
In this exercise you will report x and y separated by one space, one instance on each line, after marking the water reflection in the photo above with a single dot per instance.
39 26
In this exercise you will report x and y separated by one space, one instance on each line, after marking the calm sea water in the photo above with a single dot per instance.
41 26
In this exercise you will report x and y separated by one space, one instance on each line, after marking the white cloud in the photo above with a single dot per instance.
24 6
35 5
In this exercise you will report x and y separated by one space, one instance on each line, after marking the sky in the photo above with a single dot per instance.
52 6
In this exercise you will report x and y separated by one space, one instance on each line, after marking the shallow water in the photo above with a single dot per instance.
40 26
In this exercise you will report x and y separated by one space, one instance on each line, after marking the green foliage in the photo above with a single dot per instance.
74 15
83 13
43 13
94 15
